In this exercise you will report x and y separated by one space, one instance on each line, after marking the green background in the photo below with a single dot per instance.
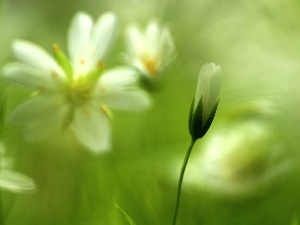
257 45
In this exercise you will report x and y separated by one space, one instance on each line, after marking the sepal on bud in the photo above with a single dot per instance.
197 127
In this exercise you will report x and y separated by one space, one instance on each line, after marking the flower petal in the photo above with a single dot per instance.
92 128
135 41
209 86
166 47
117 88
36 57
133 99
78 38
29 77
16 182
102 36
152 35
118 77
151 51
39 116
139 64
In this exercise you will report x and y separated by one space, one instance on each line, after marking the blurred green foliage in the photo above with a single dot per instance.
257 45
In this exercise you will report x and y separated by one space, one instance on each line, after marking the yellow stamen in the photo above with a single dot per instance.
106 110
54 74
150 64
100 65
79 92
56 48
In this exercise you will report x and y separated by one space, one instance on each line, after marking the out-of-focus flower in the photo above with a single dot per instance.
149 51
238 160
206 100
74 93
11 180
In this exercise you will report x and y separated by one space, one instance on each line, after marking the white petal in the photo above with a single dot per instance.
36 57
135 40
117 88
78 38
16 182
140 65
118 77
152 36
102 37
39 116
133 99
92 128
29 77
209 86
166 47
154 44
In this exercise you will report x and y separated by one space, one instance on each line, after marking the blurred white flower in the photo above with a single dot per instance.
206 100
151 50
74 93
238 160
11 180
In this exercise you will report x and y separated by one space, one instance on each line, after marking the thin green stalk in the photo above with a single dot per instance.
1 211
1 207
186 159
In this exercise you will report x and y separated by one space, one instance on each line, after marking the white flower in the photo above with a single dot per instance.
206 100
11 180
149 51
238 160
74 93
16 182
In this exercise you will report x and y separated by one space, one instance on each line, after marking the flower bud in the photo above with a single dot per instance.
206 99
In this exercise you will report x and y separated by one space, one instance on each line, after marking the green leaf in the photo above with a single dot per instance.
127 217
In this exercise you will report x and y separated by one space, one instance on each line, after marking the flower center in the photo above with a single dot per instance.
80 83
150 63
79 91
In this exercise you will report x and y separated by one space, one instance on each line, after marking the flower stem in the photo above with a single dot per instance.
186 159
1 211
1 200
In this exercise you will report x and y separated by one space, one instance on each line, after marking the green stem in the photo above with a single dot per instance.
186 159
1 212
1 206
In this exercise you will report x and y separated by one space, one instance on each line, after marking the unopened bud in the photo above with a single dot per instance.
206 100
